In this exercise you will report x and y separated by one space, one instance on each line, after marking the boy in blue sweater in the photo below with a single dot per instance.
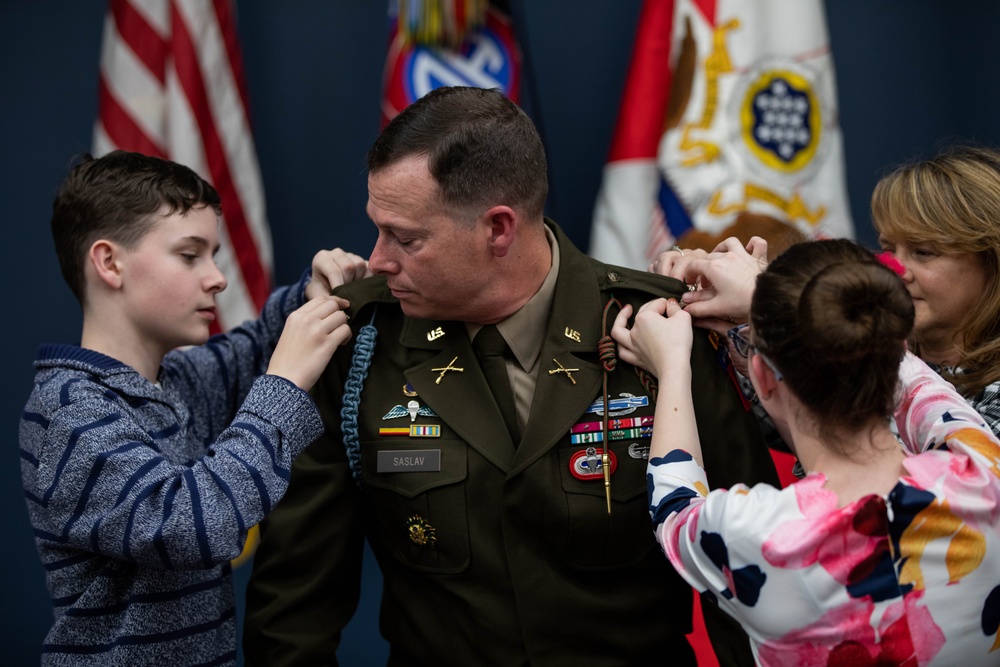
144 465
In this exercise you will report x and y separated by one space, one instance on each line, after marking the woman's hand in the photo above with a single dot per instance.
726 278
659 340
674 262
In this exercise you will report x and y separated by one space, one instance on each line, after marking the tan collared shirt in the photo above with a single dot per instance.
524 331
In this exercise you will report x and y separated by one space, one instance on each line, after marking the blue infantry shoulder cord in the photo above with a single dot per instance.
361 360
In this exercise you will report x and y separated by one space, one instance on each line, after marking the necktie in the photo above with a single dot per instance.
490 348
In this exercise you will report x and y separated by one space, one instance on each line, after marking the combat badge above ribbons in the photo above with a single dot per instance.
413 408
625 404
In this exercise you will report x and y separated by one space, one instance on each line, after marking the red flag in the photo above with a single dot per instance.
629 224
172 85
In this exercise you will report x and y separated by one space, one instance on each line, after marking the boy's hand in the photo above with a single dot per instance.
332 268
311 335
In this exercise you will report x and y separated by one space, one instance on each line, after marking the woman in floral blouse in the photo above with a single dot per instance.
881 554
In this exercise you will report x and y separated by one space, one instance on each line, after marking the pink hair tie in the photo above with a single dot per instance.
888 260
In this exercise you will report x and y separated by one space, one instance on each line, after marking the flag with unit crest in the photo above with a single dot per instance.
728 127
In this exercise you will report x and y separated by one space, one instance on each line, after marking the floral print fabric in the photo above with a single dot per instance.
912 578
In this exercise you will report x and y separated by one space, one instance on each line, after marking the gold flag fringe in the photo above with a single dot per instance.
444 23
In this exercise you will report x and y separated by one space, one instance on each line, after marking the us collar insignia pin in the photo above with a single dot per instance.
572 334
447 368
434 334
421 533
562 369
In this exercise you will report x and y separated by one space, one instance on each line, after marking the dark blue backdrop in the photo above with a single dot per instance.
911 73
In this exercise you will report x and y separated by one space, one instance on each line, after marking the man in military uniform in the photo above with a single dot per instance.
508 515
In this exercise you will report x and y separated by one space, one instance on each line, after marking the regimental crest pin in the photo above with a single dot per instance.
421 533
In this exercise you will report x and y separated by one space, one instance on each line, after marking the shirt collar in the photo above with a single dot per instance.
524 331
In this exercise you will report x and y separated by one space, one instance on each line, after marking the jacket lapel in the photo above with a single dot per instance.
573 333
460 394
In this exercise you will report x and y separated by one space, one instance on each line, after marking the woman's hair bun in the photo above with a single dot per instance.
834 321
852 309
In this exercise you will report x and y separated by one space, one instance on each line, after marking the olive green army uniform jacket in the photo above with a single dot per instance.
491 553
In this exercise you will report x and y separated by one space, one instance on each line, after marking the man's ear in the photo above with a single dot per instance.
103 258
503 223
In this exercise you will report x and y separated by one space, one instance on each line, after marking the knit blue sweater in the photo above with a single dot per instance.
141 494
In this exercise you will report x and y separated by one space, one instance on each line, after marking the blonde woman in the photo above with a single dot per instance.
940 219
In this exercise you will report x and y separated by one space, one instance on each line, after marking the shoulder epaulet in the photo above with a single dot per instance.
363 292
612 278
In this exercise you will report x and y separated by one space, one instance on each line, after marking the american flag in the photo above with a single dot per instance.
172 85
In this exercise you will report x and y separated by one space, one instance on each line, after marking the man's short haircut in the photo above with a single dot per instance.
117 197
481 148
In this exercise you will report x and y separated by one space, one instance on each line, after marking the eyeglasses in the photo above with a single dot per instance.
743 347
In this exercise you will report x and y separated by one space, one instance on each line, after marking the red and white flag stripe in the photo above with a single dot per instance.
172 85
629 226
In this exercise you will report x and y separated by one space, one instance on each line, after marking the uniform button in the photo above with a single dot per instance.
614 277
